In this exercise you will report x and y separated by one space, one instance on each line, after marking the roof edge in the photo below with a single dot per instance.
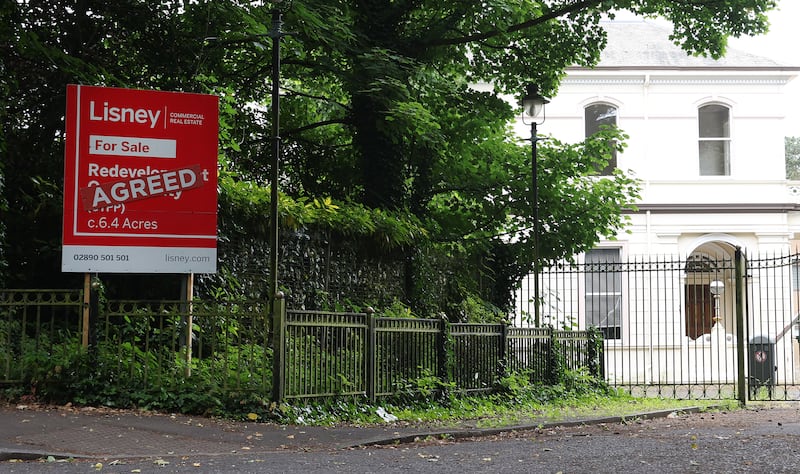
687 68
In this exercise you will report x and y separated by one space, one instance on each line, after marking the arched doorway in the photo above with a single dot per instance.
708 280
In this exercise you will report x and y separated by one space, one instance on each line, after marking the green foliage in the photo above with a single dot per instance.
140 361
249 202
702 29
397 310
322 365
582 382
515 384
516 399
475 310
126 376
102 380
110 375
9 332
595 352
573 384
426 388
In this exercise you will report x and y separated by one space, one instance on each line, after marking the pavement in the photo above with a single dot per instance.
35 432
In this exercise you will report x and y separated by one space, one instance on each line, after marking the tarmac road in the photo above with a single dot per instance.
753 440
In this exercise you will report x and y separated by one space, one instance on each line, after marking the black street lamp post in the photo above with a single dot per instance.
276 33
532 106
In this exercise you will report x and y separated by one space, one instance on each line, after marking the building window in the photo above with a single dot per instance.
604 291
596 117
715 140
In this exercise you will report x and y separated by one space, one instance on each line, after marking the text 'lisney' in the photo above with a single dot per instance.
110 113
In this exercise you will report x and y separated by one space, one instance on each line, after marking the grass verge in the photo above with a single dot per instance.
491 411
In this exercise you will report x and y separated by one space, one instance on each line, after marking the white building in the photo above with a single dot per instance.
707 142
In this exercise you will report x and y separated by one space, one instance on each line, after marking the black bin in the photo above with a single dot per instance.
761 364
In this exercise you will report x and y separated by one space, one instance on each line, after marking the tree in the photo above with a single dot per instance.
389 59
378 107
423 139
792 157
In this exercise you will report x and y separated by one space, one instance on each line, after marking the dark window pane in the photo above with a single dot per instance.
714 129
714 158
714 121
599 256
603 280
597 116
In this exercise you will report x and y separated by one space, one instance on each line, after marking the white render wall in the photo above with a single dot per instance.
658 110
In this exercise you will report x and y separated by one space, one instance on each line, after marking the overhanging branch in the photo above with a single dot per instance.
312 126
551 15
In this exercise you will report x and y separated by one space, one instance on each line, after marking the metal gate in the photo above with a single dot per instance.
771 306
716 326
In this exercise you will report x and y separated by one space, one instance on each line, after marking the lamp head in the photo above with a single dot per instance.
532 103
717 287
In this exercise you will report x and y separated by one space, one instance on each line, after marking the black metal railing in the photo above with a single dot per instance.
154 345
362 354
35 325
405 350
698 327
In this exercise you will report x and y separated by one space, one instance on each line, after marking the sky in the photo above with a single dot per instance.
781 43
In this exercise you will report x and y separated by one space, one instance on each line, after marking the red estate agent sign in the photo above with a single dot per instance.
140 181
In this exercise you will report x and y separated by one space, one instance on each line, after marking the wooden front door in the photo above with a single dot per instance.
699 310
